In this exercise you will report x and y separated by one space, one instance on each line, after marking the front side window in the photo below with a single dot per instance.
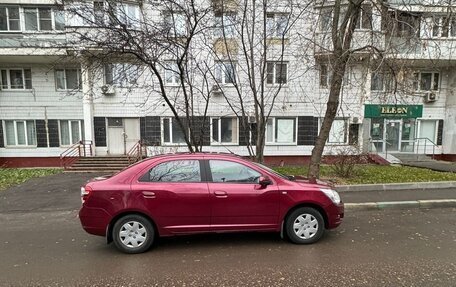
70 132
276 72
9 19
276 25
68 79
426 81
122 74
225 130
176 171
172 132
225 72
16 79
20 133
281 130
338 132
232 172
225 25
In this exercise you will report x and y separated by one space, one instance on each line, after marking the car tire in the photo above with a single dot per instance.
305 225
133 234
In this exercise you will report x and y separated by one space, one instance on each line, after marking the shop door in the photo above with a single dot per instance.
393 134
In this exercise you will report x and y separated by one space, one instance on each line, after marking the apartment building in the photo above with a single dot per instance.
53 96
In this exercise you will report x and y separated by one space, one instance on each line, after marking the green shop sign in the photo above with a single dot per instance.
393 111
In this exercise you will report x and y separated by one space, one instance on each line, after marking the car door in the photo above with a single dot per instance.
176 196
238 202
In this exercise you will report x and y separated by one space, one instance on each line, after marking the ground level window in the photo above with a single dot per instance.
172 132
281 130
70 132
20 133
225 130
338 132
428 130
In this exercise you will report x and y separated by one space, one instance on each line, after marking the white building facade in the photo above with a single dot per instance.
53 96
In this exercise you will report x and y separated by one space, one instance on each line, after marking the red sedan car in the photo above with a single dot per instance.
204 192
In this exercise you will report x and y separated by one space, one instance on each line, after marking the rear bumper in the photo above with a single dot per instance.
94 220
335 215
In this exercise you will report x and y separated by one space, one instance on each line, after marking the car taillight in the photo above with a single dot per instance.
85 193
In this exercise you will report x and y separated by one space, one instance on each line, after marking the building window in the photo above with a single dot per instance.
326 18
281 130
122 74
225 72
276 25
99 12
276 72
171 73
225 25
68 79
9 19
20 133
426 81
365 18
325 79
71 132
16 79
443 27
172 132
338 132
43 19
128 15
176 24
381 82
428 129
225 130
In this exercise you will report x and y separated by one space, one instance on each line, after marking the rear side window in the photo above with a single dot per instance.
175 171
232 172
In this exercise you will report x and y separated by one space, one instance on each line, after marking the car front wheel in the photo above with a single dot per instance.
133 234
305 225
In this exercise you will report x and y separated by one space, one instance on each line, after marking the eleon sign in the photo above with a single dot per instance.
393 111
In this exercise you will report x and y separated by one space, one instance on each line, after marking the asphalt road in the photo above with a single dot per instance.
42 244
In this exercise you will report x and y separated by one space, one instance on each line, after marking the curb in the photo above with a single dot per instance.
423 204
397 186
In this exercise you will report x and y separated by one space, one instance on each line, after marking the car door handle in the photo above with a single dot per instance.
220 194
148 194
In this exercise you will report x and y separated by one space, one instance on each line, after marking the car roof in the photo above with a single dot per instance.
195 154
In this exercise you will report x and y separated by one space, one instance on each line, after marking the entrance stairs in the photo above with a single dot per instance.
424 161
101 164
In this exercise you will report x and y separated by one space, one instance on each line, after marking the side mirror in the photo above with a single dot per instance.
264 181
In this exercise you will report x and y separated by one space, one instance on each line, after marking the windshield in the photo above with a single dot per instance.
272 171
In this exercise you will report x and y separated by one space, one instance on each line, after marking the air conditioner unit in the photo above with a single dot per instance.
216 91
108 90
430 97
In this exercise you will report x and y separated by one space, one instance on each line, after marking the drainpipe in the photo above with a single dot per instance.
87 101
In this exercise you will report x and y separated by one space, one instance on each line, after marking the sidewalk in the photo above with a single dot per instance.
394 196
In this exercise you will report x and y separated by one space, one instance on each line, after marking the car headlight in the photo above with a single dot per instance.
332 194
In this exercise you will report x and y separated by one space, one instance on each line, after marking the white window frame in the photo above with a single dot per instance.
417 81
125 80
438 25
8 79
359 24
272 24
176 23
345 135
274 135
274 72
8 28
221 70
171 141
15 134
38 19
170 68
387 82
79 79
436 130
219 129
122 9
225 25
70 131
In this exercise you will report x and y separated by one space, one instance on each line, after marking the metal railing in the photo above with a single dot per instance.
137 152
426 140
73 153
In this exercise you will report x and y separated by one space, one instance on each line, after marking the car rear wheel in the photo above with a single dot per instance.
133 234
305 225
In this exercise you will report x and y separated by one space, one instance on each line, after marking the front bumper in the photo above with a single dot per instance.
335 215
